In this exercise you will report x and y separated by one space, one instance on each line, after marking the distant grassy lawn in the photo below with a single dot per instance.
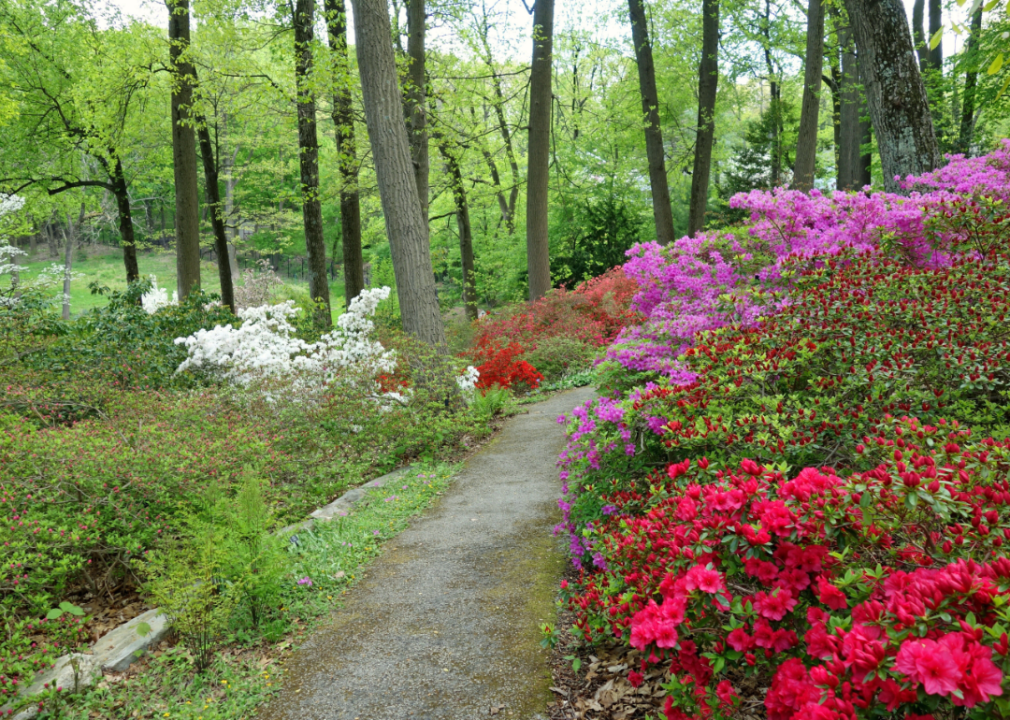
105 265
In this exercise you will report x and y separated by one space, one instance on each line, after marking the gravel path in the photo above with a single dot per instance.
446 624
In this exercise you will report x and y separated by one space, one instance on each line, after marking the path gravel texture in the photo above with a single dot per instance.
445 626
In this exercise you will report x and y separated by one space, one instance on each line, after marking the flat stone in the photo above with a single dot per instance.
61 675
342 505
117 650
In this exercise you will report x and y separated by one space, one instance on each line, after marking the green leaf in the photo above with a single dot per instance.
143 629
996 64
1006 84
911 500
54 614
935 40
990 5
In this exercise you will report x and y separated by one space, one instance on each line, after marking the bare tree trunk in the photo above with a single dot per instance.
465 231
835 84
308 163
934 56
895 92
865 152
538 261
187 200
662 213
387 134
970 81
68 258
216 215
919 33
708 82
415 100
126 232
850 132
343 121
806 143
228 168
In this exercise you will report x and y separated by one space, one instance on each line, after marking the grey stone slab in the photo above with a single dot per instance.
118 649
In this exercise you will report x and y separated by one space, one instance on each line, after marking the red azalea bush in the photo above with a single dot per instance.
845 594
593 313
503 367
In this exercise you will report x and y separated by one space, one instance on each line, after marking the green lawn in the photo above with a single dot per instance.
105 265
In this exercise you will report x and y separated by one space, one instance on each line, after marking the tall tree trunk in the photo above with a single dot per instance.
503 206
216 214
465 231
415 100
187 200
806 143
895 93
68 259
850 132
836 108
347 154
970 81
126 234
394 170
662 212
864 149
308 163
538 261
228 168
919 33
708 82
935 55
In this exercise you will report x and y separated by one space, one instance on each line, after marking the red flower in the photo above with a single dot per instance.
830 595
930 663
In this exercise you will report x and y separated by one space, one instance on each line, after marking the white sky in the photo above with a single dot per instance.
155 12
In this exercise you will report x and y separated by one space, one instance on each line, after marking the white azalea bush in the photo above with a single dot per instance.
157 297
265 347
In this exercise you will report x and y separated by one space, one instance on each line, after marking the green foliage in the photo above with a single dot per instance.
560 355
594 235
488 402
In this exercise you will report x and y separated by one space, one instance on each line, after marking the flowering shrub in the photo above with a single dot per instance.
502 368
717 280
156 298
846 593
265 346
862 337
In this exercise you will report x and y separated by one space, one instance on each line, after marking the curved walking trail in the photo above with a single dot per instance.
446 624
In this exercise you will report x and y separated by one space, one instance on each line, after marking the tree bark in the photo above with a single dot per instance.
850 132
415 100
343 121
934 57
662 212
127 237
465 230
538 261
228 168
708 81
895 92
210 176
919 33
806 143
970 81
308 163
387 134
68 259
187 200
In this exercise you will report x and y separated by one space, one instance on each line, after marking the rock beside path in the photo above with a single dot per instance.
446 624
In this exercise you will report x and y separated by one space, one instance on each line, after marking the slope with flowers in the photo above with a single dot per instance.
798 478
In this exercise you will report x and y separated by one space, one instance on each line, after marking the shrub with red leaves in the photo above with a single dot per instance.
503 368
845 594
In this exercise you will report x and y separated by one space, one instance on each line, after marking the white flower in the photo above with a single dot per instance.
156 298
468 380
264 347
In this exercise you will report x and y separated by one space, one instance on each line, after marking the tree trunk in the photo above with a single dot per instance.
216 215
895 93
387 134
708 81
850 132
806 143
68 259
934 56
415 100
864 149
836 107
228 167
308 163
127 237
970 81
919 33
662 213
465 231
343 121
187 201
538 261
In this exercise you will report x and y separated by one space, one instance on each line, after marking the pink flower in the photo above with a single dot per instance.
704 579
930 663
830 595
774 606
739 640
